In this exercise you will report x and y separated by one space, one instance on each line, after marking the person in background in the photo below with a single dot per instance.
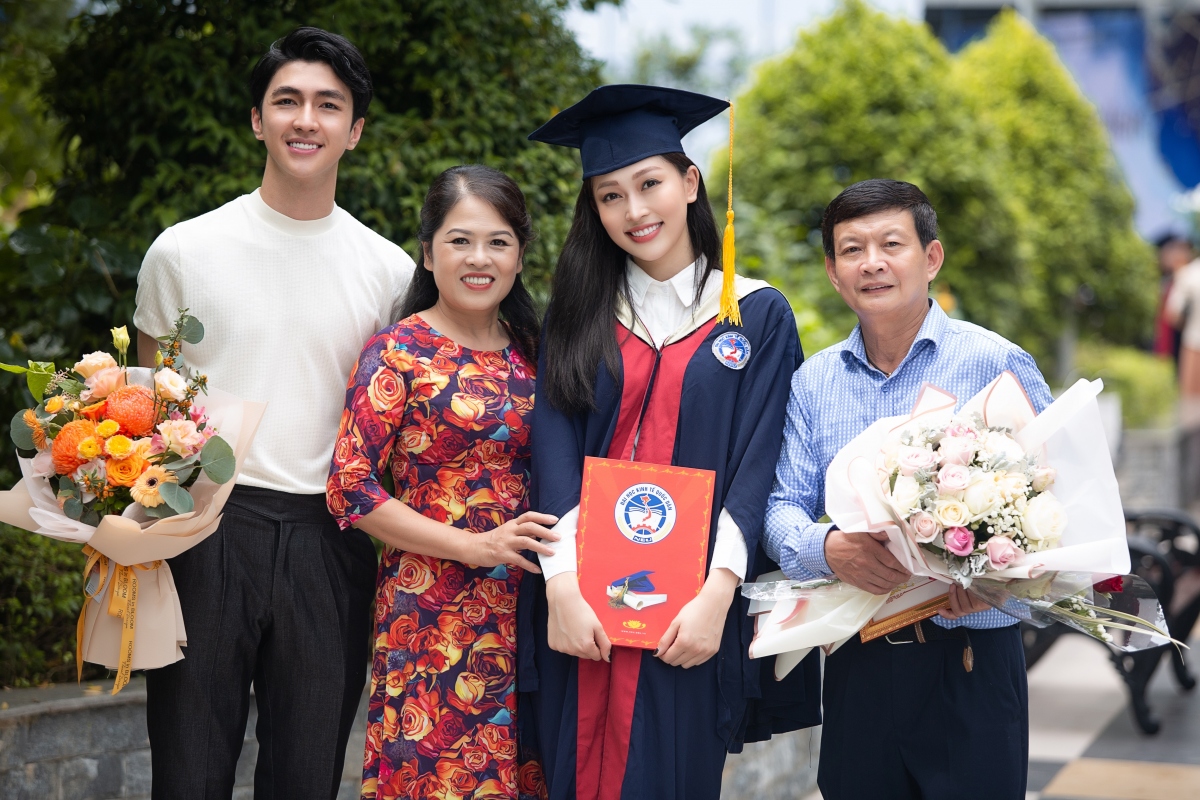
1174 253
927 711
1180 312
441 401
288 286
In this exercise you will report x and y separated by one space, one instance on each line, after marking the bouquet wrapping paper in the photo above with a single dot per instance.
1068 435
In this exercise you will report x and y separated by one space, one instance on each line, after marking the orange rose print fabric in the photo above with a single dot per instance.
451 424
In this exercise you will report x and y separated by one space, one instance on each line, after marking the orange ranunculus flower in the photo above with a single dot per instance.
454 774
469 695
420 713
531 780
132 407
386 391
466 411
509 489
497 741
493 362
94 412
65 448
126 471
491 658
416 573
492 789
451 624
485 511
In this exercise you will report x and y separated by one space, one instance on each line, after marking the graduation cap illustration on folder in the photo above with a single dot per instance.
632 591
637 582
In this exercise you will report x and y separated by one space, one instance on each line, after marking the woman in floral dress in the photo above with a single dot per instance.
442 400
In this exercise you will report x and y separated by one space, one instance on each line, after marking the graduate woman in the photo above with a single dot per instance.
441 401
652 353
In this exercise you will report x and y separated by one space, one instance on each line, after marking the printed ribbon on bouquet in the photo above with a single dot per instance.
1068 435
122 603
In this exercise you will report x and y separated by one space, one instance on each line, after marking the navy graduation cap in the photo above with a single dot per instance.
638 581
619 125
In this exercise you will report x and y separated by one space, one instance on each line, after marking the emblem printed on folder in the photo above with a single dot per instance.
732 349
645 513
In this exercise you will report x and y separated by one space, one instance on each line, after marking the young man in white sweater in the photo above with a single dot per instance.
288 287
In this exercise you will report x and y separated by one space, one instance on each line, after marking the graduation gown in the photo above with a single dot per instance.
640 728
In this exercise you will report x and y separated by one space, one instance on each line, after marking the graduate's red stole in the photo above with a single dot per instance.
653 381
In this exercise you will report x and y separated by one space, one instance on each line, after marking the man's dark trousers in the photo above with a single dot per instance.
280 597
908 722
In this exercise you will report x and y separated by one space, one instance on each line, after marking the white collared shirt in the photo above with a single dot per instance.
663 307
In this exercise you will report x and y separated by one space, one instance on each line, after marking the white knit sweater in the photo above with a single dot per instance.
287 306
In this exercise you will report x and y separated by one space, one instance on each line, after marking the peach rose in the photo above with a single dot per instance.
92 363
170 384
181 437
103 383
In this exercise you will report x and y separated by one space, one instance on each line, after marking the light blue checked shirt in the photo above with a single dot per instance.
836 394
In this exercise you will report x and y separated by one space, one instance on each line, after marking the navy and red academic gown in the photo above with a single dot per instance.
638 728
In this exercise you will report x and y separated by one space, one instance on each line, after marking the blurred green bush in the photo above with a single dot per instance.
1145 382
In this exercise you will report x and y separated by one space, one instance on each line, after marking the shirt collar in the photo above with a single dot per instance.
683 283
932 329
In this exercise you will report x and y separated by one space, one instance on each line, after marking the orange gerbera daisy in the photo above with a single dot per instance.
65 449
145 488
35 428
132 407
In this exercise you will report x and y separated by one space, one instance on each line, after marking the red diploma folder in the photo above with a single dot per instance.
642 544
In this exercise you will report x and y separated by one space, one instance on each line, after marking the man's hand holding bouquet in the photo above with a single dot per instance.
1021 509
135 465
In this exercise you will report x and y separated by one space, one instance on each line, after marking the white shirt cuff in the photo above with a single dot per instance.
729 550
564 559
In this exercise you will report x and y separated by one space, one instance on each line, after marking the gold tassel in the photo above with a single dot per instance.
730 311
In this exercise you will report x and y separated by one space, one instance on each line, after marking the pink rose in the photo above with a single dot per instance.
1001 552
102 384
925 527
960 541
956 450
953 478
914 459
43 464
960 430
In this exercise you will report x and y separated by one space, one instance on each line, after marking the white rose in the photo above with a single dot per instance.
956 450
1043 478
999 444
951 513
1044 519
905 494
169 384
93 363
1012 484
982 497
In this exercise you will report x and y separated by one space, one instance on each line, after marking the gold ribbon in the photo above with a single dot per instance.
122 603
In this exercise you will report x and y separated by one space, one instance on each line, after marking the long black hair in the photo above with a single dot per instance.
501 192
588 282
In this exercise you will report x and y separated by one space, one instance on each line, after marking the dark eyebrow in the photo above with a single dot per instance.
469 233
636 175
292 90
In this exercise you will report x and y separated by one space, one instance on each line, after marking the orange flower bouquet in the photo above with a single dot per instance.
125 461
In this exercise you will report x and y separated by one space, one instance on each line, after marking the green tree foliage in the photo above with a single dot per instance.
864 95
153 104
1080 252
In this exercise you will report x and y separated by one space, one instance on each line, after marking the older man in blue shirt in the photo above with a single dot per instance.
907 715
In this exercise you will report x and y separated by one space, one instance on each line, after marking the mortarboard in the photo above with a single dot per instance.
618 125
638 581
